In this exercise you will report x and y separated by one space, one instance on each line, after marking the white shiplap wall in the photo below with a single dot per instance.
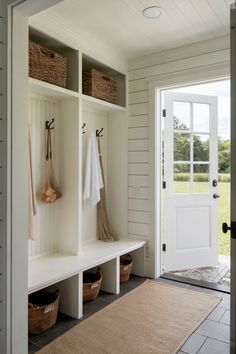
3 172
163 67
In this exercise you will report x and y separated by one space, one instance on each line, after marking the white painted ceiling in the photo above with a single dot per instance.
121 25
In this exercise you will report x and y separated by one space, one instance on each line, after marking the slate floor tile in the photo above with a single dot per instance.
215 330
193 344
226 318
216 314
212 346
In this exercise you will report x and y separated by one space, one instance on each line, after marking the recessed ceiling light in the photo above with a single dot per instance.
152 12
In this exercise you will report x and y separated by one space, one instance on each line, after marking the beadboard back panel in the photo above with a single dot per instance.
94 120
42 109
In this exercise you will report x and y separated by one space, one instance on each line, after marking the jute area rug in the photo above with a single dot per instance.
153 318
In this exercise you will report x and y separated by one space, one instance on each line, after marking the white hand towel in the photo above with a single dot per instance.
93 175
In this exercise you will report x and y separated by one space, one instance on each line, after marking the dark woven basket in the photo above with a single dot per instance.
126 264
99 85
46 65
42 311
91 285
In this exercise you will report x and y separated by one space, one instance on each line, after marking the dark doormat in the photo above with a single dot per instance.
216 278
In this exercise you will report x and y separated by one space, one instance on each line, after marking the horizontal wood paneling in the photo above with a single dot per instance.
138 133
138 169
138 192
138 205
1 206
137 85
1 289
1 8
1 30
138 156
1 153
1 106
138 121
187 51
138 145
138 97
136 180
139 216
2 129
1 55
1 261
1 233
138 109
138 229
1 180
184 64
1 81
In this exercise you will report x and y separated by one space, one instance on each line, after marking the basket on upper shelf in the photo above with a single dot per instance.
99 85
46 65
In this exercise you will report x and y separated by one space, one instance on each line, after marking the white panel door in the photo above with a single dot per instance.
190 173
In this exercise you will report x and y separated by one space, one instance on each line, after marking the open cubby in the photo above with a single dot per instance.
72 56
88 62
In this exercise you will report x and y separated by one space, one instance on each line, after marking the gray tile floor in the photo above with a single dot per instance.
212 337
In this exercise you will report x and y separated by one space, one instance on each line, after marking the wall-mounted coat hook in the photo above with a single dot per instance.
84 125
49 124
98 133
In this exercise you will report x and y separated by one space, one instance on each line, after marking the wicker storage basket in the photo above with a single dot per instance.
91 285
99 85
42 311
46 65
126 264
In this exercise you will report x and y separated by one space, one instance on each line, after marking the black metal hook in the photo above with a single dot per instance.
84 125
98 133
49 124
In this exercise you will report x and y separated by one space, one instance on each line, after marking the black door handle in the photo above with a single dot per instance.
215 196
225 227
232 228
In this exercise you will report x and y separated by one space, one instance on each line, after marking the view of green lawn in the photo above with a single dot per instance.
224 209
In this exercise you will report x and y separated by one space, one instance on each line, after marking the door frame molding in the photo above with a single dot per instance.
216 72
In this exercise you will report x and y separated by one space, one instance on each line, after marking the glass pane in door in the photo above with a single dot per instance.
182 178
181 114
181 147
201 117
201 178
201 147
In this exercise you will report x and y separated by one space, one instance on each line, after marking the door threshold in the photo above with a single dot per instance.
195 282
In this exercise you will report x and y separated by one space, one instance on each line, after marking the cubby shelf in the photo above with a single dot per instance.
101 105
46 89
52 268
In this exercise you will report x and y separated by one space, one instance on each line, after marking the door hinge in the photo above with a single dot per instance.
164 184
164 247
164 113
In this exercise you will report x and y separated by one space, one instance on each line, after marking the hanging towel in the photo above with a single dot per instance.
32 197
93 175
104 231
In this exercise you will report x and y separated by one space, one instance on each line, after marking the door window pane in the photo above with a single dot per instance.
201 117
181 113
201 147
181 183
181 147
200 178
